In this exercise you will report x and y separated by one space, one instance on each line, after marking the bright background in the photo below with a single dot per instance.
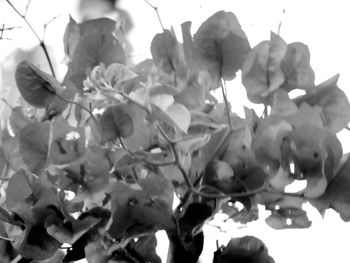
322 25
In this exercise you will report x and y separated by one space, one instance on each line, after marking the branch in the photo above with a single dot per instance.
48 23
41 41
156 10
228 111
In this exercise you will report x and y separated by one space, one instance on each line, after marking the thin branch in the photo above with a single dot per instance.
48 23
27 8
41 41
7 239
280 23
228 111
16 259
156 10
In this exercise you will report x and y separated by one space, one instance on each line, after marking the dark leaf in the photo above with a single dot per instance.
221 45
8 218
247 249
145 207
116 122
146 248
185 249
38 88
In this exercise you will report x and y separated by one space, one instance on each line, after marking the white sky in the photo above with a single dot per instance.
322 25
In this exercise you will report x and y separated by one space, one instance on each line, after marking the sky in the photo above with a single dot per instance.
322 25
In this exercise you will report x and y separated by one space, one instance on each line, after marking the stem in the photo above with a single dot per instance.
223 88
7 239
41 41
156 10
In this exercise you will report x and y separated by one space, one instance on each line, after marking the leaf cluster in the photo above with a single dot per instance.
95 161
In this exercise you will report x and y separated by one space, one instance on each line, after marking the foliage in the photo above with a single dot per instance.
95 161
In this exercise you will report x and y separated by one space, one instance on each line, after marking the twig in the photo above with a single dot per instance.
27 7
48 23
156 10
223 88
41 41
7 239
280 23
16 259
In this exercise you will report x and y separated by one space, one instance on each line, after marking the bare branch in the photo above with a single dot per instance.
48 23
228 110
156 10
41 41
27 8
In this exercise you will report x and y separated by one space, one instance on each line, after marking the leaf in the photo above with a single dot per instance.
38 88
146 247
18 191
71 37
13 154
18 120
180 116
143 135
336 195
297 69
219 174
8 218
221 45
316 154
245 249
96 253
145 208
166 52
261 71
116 121
33 143
268 140
35 243
334 104
96 45
305 115
288 218
281 104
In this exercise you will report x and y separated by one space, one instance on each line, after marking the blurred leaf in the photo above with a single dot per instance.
18 120
39 89
281 104
165 51
180 116
33 143
71 37
221 45
96 45
247 249
334 104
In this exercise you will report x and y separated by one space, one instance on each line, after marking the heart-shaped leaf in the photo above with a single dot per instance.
221 46
116 122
